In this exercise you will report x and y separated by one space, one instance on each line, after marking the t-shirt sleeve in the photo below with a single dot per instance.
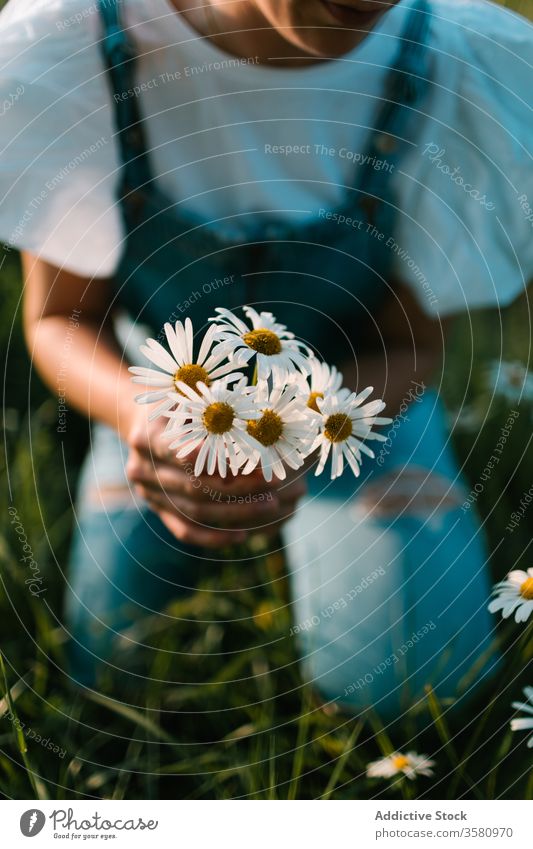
464 236
58 154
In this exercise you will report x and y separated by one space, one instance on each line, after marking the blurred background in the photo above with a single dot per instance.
279 745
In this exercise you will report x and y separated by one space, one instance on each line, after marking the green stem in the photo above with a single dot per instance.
39 791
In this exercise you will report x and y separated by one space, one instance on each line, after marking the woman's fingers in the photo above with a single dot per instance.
147 471
287 509
209 510
179 478
217 513
246 517
293 492
191 533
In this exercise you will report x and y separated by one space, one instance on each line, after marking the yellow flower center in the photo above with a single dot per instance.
268 429
191 375
263 341
400 762
338 427
526 589
218 417
311 401
264 614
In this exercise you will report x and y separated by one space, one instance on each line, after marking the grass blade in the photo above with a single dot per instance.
339 766
36 783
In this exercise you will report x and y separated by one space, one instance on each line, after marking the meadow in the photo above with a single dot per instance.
244 725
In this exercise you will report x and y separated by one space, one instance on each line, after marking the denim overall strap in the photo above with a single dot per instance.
406 82
407 78
404 87
171 250
119 57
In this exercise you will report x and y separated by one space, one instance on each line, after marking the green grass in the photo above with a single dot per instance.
243 725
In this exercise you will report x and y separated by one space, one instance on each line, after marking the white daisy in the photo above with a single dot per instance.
276 350
322 380
515 593
215 423
511 380
283 433
178 366
523 722
409 764
344 427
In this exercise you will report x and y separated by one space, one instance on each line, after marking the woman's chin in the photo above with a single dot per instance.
327 43
325 34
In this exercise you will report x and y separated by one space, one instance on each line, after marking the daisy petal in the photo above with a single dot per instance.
157 355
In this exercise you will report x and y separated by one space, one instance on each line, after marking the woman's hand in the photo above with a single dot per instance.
207 511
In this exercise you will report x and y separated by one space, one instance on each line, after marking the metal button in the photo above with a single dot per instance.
385 143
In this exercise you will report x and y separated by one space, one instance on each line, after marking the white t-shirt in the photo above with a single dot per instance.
228 136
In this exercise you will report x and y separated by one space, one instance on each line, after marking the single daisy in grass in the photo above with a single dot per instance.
276 350
345 425
511 380
409 765
514 595
524 722
179 366
213 420
283 432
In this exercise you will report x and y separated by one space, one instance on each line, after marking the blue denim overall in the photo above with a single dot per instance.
388 575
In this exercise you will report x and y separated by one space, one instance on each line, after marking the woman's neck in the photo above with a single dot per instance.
240 29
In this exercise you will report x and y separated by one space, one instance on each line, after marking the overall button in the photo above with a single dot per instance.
385 143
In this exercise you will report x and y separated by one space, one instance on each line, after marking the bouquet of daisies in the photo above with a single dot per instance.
294 406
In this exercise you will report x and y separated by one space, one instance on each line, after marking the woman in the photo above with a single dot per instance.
352 167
